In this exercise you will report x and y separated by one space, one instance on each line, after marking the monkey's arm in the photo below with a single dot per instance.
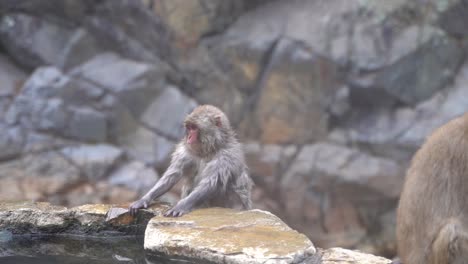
202 192
180 164
215 176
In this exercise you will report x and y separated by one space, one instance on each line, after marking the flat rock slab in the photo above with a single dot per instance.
90 219
222 235
346 256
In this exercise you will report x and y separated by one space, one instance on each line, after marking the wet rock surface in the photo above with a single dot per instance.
214 235
227 236
91 220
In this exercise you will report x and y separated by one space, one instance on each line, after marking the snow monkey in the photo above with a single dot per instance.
432 217
212 159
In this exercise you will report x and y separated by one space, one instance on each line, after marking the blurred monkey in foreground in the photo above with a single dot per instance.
212 158
432 217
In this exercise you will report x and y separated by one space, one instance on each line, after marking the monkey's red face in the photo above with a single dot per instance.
192 133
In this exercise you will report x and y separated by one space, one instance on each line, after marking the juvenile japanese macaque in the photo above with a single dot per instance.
432 216
212 159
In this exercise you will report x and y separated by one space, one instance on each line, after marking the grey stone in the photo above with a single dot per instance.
134 83
87 124
11 77
81 47
141 142
54 115
45 82
39 142
135 175
141 35
336 188
416 77
147 146
33 41
12 141
444 106
397 133
44 101
293 109
211 84
36 176
347 165
454 19
94 160
167 112
190 21
266 163
70 10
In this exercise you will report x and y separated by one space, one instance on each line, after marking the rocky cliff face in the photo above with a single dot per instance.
331 99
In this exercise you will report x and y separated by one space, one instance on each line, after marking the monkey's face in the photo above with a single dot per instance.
192 133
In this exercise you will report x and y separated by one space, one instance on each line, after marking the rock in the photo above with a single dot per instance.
87 124
43 218
12 141
416 77
330 189
346 256
439 110
190 21
81 47
39 106
36 176
135 175
227 236
141 142
208 83
288 106
167 112
33 41
93 192
39 142
83 249
94 160
11 77
71 10
141 35
454 19
266 162
217 235
53 115
326 28
398 133
134 83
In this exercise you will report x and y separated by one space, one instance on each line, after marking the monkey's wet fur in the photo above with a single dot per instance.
432 216
211 158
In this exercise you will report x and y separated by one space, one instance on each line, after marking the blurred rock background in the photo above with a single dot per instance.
330 97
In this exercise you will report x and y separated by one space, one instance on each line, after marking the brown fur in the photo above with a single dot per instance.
432 215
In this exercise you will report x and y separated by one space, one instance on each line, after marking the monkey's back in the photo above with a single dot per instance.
435 190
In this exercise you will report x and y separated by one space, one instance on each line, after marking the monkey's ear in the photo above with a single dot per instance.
218 121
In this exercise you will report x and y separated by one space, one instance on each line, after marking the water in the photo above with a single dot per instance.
79 250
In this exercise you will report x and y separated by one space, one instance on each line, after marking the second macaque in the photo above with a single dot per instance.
432 218
211 158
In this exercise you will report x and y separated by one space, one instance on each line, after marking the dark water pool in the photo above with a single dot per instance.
79 250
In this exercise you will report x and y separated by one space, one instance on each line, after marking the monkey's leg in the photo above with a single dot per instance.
451 244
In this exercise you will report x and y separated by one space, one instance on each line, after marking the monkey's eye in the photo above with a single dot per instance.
190 126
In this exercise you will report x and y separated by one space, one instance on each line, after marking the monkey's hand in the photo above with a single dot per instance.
177 210
142 203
